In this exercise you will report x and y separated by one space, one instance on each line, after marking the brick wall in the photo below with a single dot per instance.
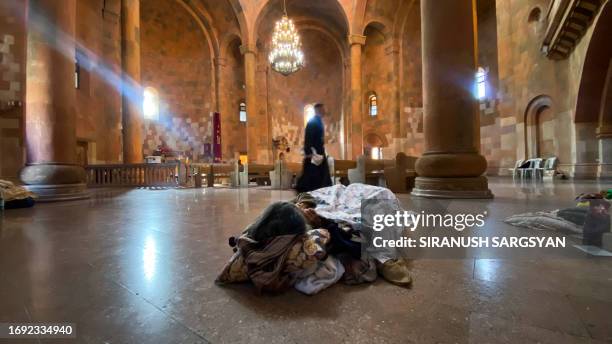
177 62
232 87
320 81
378 77
12 85
411 139
523 74
98 98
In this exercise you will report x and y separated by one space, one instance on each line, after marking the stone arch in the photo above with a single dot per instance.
535 15
379 76
335 18
203 18
538 110
596 64
374 142
226 44
594 101
371 96
242 22
373 139
378 26
359 12
305 25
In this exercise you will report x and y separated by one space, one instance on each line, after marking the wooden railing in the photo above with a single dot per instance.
133 175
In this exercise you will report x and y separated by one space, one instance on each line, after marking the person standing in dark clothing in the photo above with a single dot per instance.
314 176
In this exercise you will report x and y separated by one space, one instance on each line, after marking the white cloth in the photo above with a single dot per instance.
343 203
316 158
543 221
328 272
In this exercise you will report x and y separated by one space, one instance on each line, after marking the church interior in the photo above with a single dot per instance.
137 136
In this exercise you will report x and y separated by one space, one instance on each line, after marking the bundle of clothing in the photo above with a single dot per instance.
15 196
590 217
312 242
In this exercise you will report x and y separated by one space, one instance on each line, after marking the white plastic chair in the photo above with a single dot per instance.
534 166
515 170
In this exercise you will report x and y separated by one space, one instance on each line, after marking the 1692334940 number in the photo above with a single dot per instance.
37 330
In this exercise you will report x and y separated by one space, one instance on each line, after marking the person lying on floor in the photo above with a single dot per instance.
290 244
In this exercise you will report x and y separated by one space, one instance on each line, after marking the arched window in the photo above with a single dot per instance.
481 83
373 105
534 15
77 74
150 103
242 112
308 113
376 153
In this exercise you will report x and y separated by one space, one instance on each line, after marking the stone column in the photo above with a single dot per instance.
50 115
254 134
356 127
604 130
451 166
131 92
223 106
393 51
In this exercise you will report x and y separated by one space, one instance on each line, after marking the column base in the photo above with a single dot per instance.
468 187
59 192
55 182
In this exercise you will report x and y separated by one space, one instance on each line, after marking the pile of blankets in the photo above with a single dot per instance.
282 249
590 217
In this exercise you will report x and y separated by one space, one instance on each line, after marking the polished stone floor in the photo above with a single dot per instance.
137 266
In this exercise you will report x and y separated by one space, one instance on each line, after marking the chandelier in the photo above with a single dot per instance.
286 56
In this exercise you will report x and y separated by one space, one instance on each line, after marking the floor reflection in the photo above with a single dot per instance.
149 257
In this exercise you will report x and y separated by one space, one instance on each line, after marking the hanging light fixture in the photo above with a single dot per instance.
286 56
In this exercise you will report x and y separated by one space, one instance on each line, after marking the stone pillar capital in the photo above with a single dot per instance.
220 62
244 50
356 39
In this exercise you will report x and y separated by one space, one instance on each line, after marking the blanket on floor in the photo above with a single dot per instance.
265 262
280 250
543 220
344 203
277 263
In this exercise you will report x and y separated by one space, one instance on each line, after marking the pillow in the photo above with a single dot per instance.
305 254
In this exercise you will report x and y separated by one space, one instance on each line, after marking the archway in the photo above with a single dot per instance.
596 62
188 94
374 144
282 99
539 128
594 102
328 12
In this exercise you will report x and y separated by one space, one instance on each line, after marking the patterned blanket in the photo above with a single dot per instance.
344 203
